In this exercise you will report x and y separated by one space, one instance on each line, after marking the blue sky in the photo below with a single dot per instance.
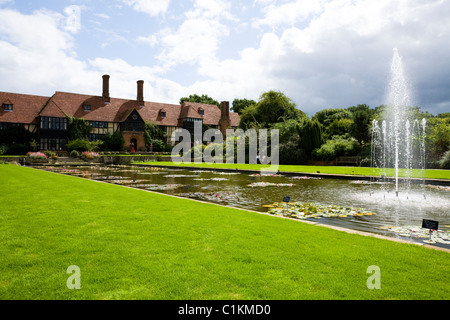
320 53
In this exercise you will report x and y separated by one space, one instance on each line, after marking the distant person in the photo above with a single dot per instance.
132 147
258 158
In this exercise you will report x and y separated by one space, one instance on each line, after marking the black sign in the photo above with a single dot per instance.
430 224
286 199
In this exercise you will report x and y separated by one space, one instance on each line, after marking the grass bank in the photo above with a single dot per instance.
131 244
362 171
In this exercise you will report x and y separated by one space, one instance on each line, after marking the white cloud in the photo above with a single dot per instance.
339 56
73 22
37 54
334 55
198 37
151 7
103 16
210 9
288 13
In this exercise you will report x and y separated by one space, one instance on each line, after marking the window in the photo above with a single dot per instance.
201 112
5 125
96 137
192 120
87 108
98 124
163 114
7 107
53 123
52 144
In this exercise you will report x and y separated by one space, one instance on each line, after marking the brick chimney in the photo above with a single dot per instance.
140 93
225 120
105 94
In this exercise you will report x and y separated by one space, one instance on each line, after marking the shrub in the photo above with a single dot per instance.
159 145
18 149
37 155
337 147
74 154
78 129
81 145
366 162
113 142
3 150
199 148
444 162
50 154
290 153
89 155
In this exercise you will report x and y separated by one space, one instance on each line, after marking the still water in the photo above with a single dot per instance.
393 216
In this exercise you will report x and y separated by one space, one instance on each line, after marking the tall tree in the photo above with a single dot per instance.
204 98
272 107
240 104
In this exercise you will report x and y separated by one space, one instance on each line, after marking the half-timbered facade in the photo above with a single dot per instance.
48 116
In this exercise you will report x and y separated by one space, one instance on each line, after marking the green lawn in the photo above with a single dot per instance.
131 244
362 171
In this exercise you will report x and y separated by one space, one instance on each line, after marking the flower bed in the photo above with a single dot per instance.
37 155
90 156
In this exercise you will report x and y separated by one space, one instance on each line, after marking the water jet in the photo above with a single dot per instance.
398 143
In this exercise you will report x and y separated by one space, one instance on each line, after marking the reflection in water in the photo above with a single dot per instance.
254 191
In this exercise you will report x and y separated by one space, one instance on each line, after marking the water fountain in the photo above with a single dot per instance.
398 143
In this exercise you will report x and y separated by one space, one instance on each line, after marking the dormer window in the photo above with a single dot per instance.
162 113
201 112
87 108
7 107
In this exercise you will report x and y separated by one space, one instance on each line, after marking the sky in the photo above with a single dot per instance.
320 53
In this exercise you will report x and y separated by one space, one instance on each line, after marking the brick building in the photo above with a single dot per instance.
48 116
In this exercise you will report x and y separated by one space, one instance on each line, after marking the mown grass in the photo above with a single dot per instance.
131 244
362 171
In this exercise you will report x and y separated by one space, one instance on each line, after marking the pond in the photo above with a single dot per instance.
352 204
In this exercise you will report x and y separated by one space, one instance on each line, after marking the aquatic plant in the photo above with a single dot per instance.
305 210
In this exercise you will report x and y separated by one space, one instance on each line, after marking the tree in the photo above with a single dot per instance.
338 127
438 137
337 147
327 116
310 135
154 135
360 126
200 99
272 107
298 138
240 104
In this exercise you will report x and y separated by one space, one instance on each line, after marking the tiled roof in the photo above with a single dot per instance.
51 109
25 107
61 104
235 118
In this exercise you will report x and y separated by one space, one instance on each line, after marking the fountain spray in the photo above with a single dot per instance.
393 141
